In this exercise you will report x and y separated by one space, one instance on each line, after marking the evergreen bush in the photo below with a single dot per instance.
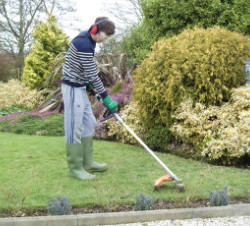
169 17
49 42
157 137
218 133
165 18
59 206
219 198
143 202
204 64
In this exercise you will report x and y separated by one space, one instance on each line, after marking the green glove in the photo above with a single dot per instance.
109 103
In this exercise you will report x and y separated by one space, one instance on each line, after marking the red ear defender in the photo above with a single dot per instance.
93 30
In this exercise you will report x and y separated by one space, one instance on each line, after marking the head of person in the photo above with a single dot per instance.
102 29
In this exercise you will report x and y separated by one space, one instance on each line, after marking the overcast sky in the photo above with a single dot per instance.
87 11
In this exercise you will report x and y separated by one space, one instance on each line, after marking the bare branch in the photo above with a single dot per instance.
6 16
17 17
127 12
33 15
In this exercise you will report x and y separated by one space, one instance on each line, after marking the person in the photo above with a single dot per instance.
80 71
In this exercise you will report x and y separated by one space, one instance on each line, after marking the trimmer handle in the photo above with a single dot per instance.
108 113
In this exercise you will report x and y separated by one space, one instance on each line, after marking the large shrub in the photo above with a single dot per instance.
204 64
157 137
170 17
218 133
14 92
165 18
50 41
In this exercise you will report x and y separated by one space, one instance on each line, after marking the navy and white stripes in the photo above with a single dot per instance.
79 68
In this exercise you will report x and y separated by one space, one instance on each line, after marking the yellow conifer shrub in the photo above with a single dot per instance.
204 64
49 42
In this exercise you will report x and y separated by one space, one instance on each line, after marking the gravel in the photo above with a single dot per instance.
220 221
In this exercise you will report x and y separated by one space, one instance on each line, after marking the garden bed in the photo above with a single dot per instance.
120 208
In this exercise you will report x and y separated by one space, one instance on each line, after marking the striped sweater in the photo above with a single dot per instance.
79 68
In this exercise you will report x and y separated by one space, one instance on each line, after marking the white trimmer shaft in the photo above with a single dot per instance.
119 119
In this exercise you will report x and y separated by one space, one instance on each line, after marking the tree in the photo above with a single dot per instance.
126 12
17 18
127 15
15 29
49 42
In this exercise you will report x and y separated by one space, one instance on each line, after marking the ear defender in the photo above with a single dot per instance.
94 28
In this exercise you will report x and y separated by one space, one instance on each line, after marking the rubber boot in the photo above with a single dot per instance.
88 163
75 159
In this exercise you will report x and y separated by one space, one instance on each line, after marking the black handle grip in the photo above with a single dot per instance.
108 113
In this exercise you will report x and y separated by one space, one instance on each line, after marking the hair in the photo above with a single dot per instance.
106 26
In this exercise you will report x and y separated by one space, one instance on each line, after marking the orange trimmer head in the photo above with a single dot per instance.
179 185
162 179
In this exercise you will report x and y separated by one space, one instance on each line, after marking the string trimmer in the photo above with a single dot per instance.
114 114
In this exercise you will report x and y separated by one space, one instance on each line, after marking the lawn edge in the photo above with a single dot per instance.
130 217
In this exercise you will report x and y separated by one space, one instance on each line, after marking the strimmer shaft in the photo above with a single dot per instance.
119 119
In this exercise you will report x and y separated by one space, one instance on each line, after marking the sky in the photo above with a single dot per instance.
87 11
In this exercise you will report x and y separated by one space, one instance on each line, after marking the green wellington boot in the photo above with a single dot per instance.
75 159
88 163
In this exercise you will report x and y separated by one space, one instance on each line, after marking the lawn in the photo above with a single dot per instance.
34 170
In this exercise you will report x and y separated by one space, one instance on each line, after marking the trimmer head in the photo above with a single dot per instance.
179 185
162 179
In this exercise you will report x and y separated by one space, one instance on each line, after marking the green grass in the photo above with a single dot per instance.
34 170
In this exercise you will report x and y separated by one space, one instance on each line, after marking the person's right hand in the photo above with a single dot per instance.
109 103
